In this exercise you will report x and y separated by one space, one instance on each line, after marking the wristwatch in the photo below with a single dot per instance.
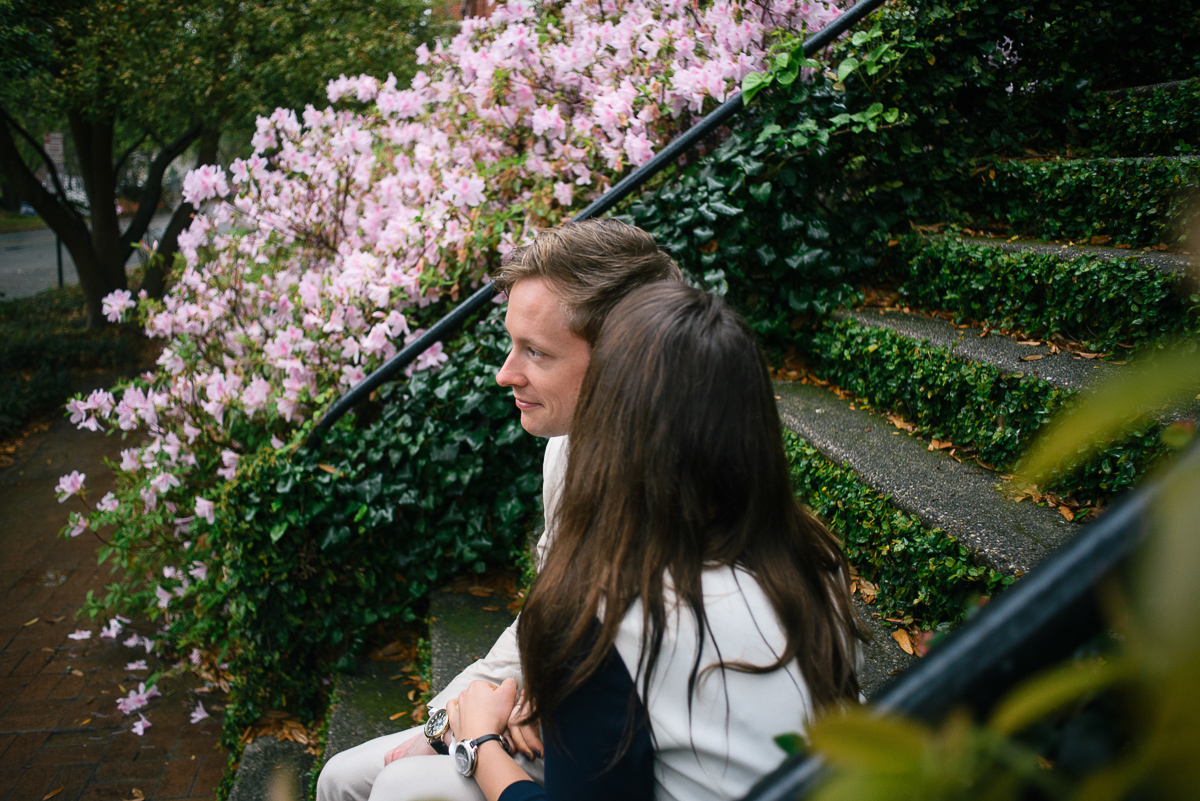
466 752
435 729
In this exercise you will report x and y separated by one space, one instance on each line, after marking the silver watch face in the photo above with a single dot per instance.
437 724
464 759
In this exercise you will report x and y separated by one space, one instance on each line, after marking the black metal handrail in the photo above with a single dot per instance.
440 330
1038 621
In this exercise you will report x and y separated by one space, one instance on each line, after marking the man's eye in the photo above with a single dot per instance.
534 353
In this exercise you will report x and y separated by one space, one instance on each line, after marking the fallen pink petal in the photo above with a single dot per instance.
199 713
142 724
80 634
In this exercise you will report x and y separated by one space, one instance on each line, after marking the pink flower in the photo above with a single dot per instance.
112 629
204 182
563 193
108 503
70 484
199 713
205 509
80 634
163 482
115 303
465 191
142 724
78 524
139 664
230 460
133 641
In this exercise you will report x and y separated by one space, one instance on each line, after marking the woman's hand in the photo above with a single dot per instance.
524 736
482 708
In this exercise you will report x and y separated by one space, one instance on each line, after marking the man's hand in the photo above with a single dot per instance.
416 745
524 737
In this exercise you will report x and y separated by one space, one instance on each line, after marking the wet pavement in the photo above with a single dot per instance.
61 733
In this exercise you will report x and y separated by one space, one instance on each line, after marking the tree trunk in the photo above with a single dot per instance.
100 250
159 268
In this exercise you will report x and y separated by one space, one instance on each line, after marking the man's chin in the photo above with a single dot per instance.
538 427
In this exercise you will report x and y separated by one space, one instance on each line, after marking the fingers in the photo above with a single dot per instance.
526 740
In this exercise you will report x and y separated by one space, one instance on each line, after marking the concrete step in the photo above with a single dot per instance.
272 770
961 499
1163 261
1063 369
363 705
1166 87
883 658
462 628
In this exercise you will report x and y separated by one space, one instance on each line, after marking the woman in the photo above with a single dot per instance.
689 609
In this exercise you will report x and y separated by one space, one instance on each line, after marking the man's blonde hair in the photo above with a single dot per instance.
591 265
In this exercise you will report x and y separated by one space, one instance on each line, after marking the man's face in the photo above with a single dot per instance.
546 364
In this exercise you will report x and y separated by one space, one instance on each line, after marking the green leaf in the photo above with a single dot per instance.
278 529
848 65
761 192
754 83
791 744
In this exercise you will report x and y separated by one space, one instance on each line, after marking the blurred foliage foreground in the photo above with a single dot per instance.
1127 716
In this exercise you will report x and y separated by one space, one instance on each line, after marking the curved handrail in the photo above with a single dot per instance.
675 148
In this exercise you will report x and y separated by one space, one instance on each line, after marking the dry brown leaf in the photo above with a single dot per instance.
1067 513
1033 357
1102 239
328 468
1084 355
77 673
53 793
479 592
58 619
940 445
418 715
490 608
905 642
1124 247
399 714
29 623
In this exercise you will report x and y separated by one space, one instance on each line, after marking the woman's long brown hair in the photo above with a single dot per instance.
676 465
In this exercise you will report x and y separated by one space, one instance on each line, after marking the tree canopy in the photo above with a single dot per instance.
148 80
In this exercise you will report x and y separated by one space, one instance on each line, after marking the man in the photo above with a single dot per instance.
560 289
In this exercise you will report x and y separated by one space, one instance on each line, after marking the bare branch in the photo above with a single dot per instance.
11 121
128 153
152 190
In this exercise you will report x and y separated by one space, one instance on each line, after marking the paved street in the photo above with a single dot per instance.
28 263
61 733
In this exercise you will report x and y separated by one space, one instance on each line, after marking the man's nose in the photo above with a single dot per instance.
508 376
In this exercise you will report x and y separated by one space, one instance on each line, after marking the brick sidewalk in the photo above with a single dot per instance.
59 724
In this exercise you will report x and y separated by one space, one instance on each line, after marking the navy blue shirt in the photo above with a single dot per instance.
590 723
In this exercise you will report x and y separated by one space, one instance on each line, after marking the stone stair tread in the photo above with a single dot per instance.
1148 89
960 499
1062 369
272 769
363 703
883 658
461 630
1163 261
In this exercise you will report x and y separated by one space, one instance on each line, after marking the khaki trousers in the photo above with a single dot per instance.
359 774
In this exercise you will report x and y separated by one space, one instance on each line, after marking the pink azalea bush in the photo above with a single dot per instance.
316 256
